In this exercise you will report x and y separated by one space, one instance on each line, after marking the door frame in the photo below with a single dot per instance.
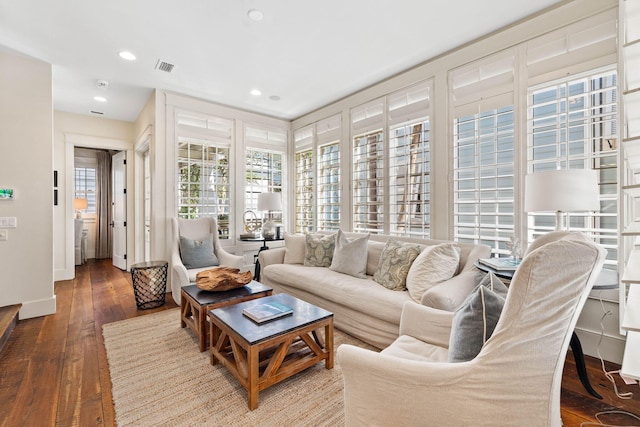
142 146
88 141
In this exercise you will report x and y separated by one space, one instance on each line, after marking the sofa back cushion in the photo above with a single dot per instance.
294 248
350 256
434 265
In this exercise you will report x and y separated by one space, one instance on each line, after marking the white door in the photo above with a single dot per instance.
119 211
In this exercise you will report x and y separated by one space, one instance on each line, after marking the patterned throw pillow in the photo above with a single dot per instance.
395 261
473 323
319 250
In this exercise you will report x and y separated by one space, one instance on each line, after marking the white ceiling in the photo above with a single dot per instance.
309 53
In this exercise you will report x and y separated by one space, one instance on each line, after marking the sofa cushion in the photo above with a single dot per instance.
319 250
350 256
474 322
374 251
294 248
395 261
361 295
434 265
197 253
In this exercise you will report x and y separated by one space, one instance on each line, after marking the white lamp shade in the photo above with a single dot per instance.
569 190
269 202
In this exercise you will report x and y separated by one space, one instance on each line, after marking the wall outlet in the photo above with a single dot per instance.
4 235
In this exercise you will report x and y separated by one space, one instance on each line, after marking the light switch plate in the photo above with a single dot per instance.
4 235
8 222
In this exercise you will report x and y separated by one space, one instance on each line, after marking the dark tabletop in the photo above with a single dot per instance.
303 314
213 297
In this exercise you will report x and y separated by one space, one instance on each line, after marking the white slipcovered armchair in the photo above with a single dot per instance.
515 380
196 229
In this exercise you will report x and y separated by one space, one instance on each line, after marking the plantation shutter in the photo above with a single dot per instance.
584 45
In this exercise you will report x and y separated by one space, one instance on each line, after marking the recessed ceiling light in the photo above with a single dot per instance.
100 98
255 92
255 15
274 98
127 55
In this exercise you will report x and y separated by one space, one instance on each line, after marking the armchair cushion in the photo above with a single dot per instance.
474 322
198 253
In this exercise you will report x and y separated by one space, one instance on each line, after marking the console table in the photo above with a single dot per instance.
607 279
264 247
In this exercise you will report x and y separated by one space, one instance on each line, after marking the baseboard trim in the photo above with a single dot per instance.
611 348
38 308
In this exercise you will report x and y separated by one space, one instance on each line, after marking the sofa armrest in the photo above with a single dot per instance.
426 324
271 256
450 294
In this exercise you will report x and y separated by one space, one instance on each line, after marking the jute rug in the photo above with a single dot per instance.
160 378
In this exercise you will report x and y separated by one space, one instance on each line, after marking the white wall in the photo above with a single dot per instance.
26 165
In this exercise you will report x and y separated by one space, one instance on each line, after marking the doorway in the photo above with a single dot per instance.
91 142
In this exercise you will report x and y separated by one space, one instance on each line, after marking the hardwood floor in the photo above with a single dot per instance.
53 369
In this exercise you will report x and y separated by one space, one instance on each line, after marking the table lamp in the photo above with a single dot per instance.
80 205
560 191
269 202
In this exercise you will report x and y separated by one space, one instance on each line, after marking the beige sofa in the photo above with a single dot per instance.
362 307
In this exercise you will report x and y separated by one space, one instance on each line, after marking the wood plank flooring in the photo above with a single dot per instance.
54 372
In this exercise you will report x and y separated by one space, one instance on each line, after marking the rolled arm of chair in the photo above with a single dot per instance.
272 256
426 324
229 260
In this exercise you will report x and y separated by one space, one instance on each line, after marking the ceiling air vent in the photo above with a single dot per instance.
164 66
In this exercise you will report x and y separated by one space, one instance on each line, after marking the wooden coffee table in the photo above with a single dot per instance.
262 355
195 303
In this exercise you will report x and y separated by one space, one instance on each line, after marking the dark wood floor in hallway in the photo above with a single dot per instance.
54 372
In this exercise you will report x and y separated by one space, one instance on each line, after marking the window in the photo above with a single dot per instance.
572 124
85 186
329 186
484 152
368 183
264 159
484 178
317 166
203 169
304 170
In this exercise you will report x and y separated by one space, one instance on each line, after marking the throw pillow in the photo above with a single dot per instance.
319 250
474 322
435 264
197 253
294 247
350 256
395 261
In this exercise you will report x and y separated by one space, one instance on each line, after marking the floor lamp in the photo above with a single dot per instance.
561 191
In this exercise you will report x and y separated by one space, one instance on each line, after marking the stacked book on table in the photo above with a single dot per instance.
261 313
500 264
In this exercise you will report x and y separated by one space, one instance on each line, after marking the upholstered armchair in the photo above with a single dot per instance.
197 235
515 379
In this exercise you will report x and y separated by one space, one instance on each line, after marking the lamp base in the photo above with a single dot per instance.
269 229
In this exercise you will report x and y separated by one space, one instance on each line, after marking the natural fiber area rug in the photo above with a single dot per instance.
160 378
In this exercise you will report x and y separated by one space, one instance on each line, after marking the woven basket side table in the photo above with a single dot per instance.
149 283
